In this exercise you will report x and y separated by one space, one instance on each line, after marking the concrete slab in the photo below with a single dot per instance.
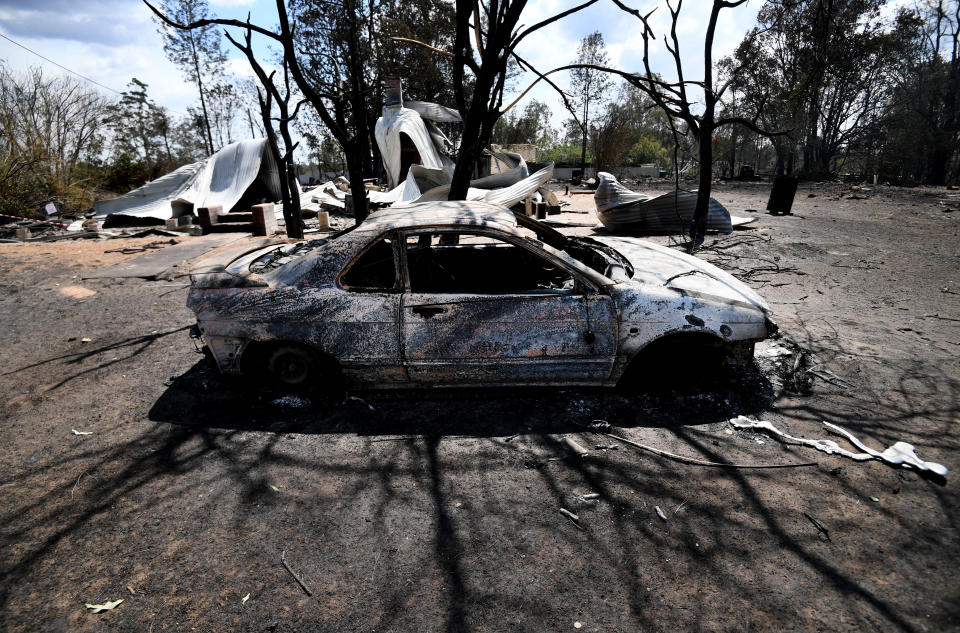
154 264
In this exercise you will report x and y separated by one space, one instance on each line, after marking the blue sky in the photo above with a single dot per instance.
111 41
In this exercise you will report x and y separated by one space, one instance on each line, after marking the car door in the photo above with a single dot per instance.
485 308
361 327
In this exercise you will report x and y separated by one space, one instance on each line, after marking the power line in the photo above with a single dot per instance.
60 65
75 72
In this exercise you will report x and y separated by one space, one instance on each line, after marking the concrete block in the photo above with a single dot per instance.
175 223
264 219
208 216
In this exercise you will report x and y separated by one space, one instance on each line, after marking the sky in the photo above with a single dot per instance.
112 41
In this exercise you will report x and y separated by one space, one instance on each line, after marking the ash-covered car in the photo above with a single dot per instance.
462 294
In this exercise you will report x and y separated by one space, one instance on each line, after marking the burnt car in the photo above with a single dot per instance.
461 294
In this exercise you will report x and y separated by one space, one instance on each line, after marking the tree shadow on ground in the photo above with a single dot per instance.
439 467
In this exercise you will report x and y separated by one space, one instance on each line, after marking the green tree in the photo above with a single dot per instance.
796 70
50 130
626 120
647 150
921 139
225 104
141 128
531 126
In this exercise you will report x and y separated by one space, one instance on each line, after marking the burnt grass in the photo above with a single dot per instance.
439 510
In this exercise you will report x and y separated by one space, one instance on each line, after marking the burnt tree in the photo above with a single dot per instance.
270 93
341 109
677 102
486 37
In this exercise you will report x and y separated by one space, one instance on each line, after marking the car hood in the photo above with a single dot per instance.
662 266
225 269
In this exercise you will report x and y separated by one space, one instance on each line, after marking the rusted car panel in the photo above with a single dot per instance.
360 331
509 339
421 312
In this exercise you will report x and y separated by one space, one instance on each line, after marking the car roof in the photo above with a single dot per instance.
443 213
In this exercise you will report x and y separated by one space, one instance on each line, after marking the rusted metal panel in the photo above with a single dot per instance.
507 339
359 330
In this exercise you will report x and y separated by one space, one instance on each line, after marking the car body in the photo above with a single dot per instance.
461 294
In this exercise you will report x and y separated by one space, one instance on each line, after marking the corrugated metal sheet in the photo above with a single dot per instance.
394 122
221 180
623 210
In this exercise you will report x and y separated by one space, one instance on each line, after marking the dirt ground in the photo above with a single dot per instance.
184 494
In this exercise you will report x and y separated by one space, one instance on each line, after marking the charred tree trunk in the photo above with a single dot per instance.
475 117
938 164
350 140
583 144
494 47
289 187
698 230
285 199
291 206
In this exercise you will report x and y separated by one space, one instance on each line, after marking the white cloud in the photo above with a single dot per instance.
108 22
110 41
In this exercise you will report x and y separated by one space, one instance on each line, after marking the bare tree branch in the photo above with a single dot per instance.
550 20
209 21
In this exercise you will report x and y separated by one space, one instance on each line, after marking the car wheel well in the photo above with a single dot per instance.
674 356
256 355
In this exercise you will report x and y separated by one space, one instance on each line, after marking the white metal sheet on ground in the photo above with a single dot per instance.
221 180
506 196
153 199
610 193
622 210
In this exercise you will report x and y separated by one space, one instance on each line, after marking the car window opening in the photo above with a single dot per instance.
480 265
374 270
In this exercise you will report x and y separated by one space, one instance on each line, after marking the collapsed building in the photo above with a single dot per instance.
416 161
236 177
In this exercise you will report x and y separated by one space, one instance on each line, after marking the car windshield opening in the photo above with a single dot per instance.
585 250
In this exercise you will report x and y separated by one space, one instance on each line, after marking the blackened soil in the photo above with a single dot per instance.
440 510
